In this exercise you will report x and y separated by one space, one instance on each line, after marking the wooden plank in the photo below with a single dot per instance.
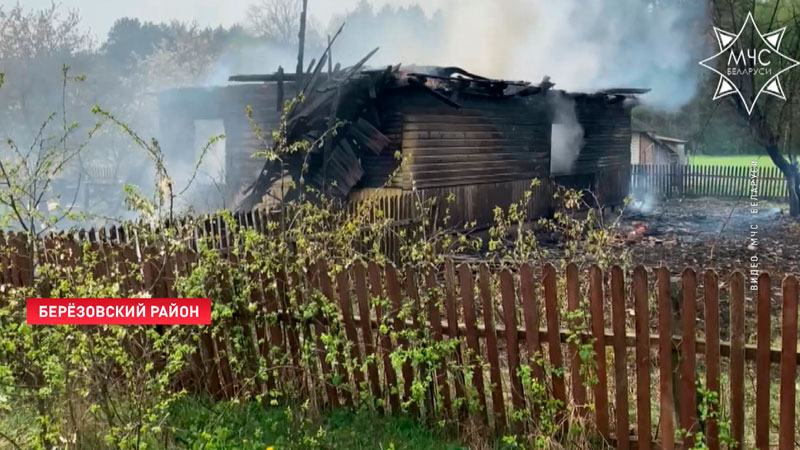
370 346
345 303
711 299
598 333
666 397
512 340
470 320
320 328
490 334
326 286
688 411
452 322
553 330
642 319
413 301
620 357
786 426
737 359
376 289
395 297
435 320
574 308
764 340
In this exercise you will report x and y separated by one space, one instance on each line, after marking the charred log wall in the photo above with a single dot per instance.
486 140
241 140
485 153
604 162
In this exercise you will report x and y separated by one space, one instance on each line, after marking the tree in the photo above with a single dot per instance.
770 120
277 20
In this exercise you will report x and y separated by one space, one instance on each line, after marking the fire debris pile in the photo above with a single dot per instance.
339 118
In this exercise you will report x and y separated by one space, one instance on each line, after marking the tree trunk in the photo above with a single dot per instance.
761 130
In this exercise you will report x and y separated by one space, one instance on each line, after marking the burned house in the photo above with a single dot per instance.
439 132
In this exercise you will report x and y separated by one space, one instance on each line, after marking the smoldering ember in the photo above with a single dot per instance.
490 225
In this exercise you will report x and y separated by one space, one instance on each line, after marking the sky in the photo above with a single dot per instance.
99 15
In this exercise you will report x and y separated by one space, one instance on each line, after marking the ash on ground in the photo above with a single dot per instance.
711 232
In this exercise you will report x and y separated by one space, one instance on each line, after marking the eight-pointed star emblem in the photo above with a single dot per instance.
738 59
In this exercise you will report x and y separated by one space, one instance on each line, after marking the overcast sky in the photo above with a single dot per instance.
99 15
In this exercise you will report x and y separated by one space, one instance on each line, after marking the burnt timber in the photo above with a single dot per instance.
432 130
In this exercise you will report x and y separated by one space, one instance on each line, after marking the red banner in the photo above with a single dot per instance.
118 311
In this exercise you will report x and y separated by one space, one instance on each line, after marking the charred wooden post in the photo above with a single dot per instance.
280 89
301 38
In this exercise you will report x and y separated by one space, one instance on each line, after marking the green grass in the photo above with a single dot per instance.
198 424
737 160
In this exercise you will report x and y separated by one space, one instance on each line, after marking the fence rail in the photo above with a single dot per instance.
653 338
671 180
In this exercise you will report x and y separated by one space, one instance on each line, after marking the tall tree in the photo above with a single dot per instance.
770 120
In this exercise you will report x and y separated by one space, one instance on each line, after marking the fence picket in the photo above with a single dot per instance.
376 289
764 342
642 318
620 356
573 306
688 410
490 335
598 333
396 299
322 353
737 359
365 322
512 339
530 314
435 319
345 303
711 300
343 383
665 348
454 333
786 427
471 320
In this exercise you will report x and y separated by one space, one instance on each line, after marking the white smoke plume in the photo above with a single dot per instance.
580 44
566 138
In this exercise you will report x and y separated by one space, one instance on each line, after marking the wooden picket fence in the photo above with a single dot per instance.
674 180
650 349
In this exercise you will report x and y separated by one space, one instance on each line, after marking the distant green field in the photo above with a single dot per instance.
738 160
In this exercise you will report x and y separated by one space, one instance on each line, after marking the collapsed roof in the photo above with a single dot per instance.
337 118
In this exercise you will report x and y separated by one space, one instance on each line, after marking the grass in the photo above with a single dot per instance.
735 160
201 424
198 424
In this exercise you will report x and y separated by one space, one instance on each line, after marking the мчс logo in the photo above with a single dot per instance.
759 59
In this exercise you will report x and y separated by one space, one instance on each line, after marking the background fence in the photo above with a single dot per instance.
671 180
653 338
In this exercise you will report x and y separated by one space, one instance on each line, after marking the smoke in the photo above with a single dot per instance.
566 137
580 44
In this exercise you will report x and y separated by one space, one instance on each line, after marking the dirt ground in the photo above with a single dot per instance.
711 232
